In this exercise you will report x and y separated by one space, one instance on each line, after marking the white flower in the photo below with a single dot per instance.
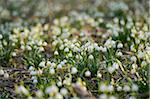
58 96
74 70
143 63
134 66
59 66
23 90
103 87
39 93
35 81
54 43
72 46
59 83
99 75
1 36
44 43
70 54
56 53
53 64
1 72
134 87
112 97
141 54
76 49
91 57
132 97
52 89
103 49
110 88
126 88
33 72
110 43
63 91
62 63
52 71
119 54
42 64
30 97
66 49
33 77
90 49
29 48
97 48
41 49
61 47
111 69
6 75
115 65
14 54
119 88
22 47
133 59
31 68
87 73
103 96
120 45
48 63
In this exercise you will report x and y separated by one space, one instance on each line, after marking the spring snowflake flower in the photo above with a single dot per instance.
28 47
120 45
58 96
119 53
35 81
91 57
52 71
59 66
134 66
64 91
74 70
99 75
143 63
39 93
42 64
1 72
1 36
126 88
112 97
51 89
6 75
48 63
115 65
31 68
33 72
133 58
61 47
22 89
70 54
59 83
87 73
56 53
44 44
41 49
119 88
103 96
111 69
14 54
134 87
103 87
132 97
110 88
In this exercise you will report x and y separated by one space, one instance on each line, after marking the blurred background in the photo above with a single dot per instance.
47 10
